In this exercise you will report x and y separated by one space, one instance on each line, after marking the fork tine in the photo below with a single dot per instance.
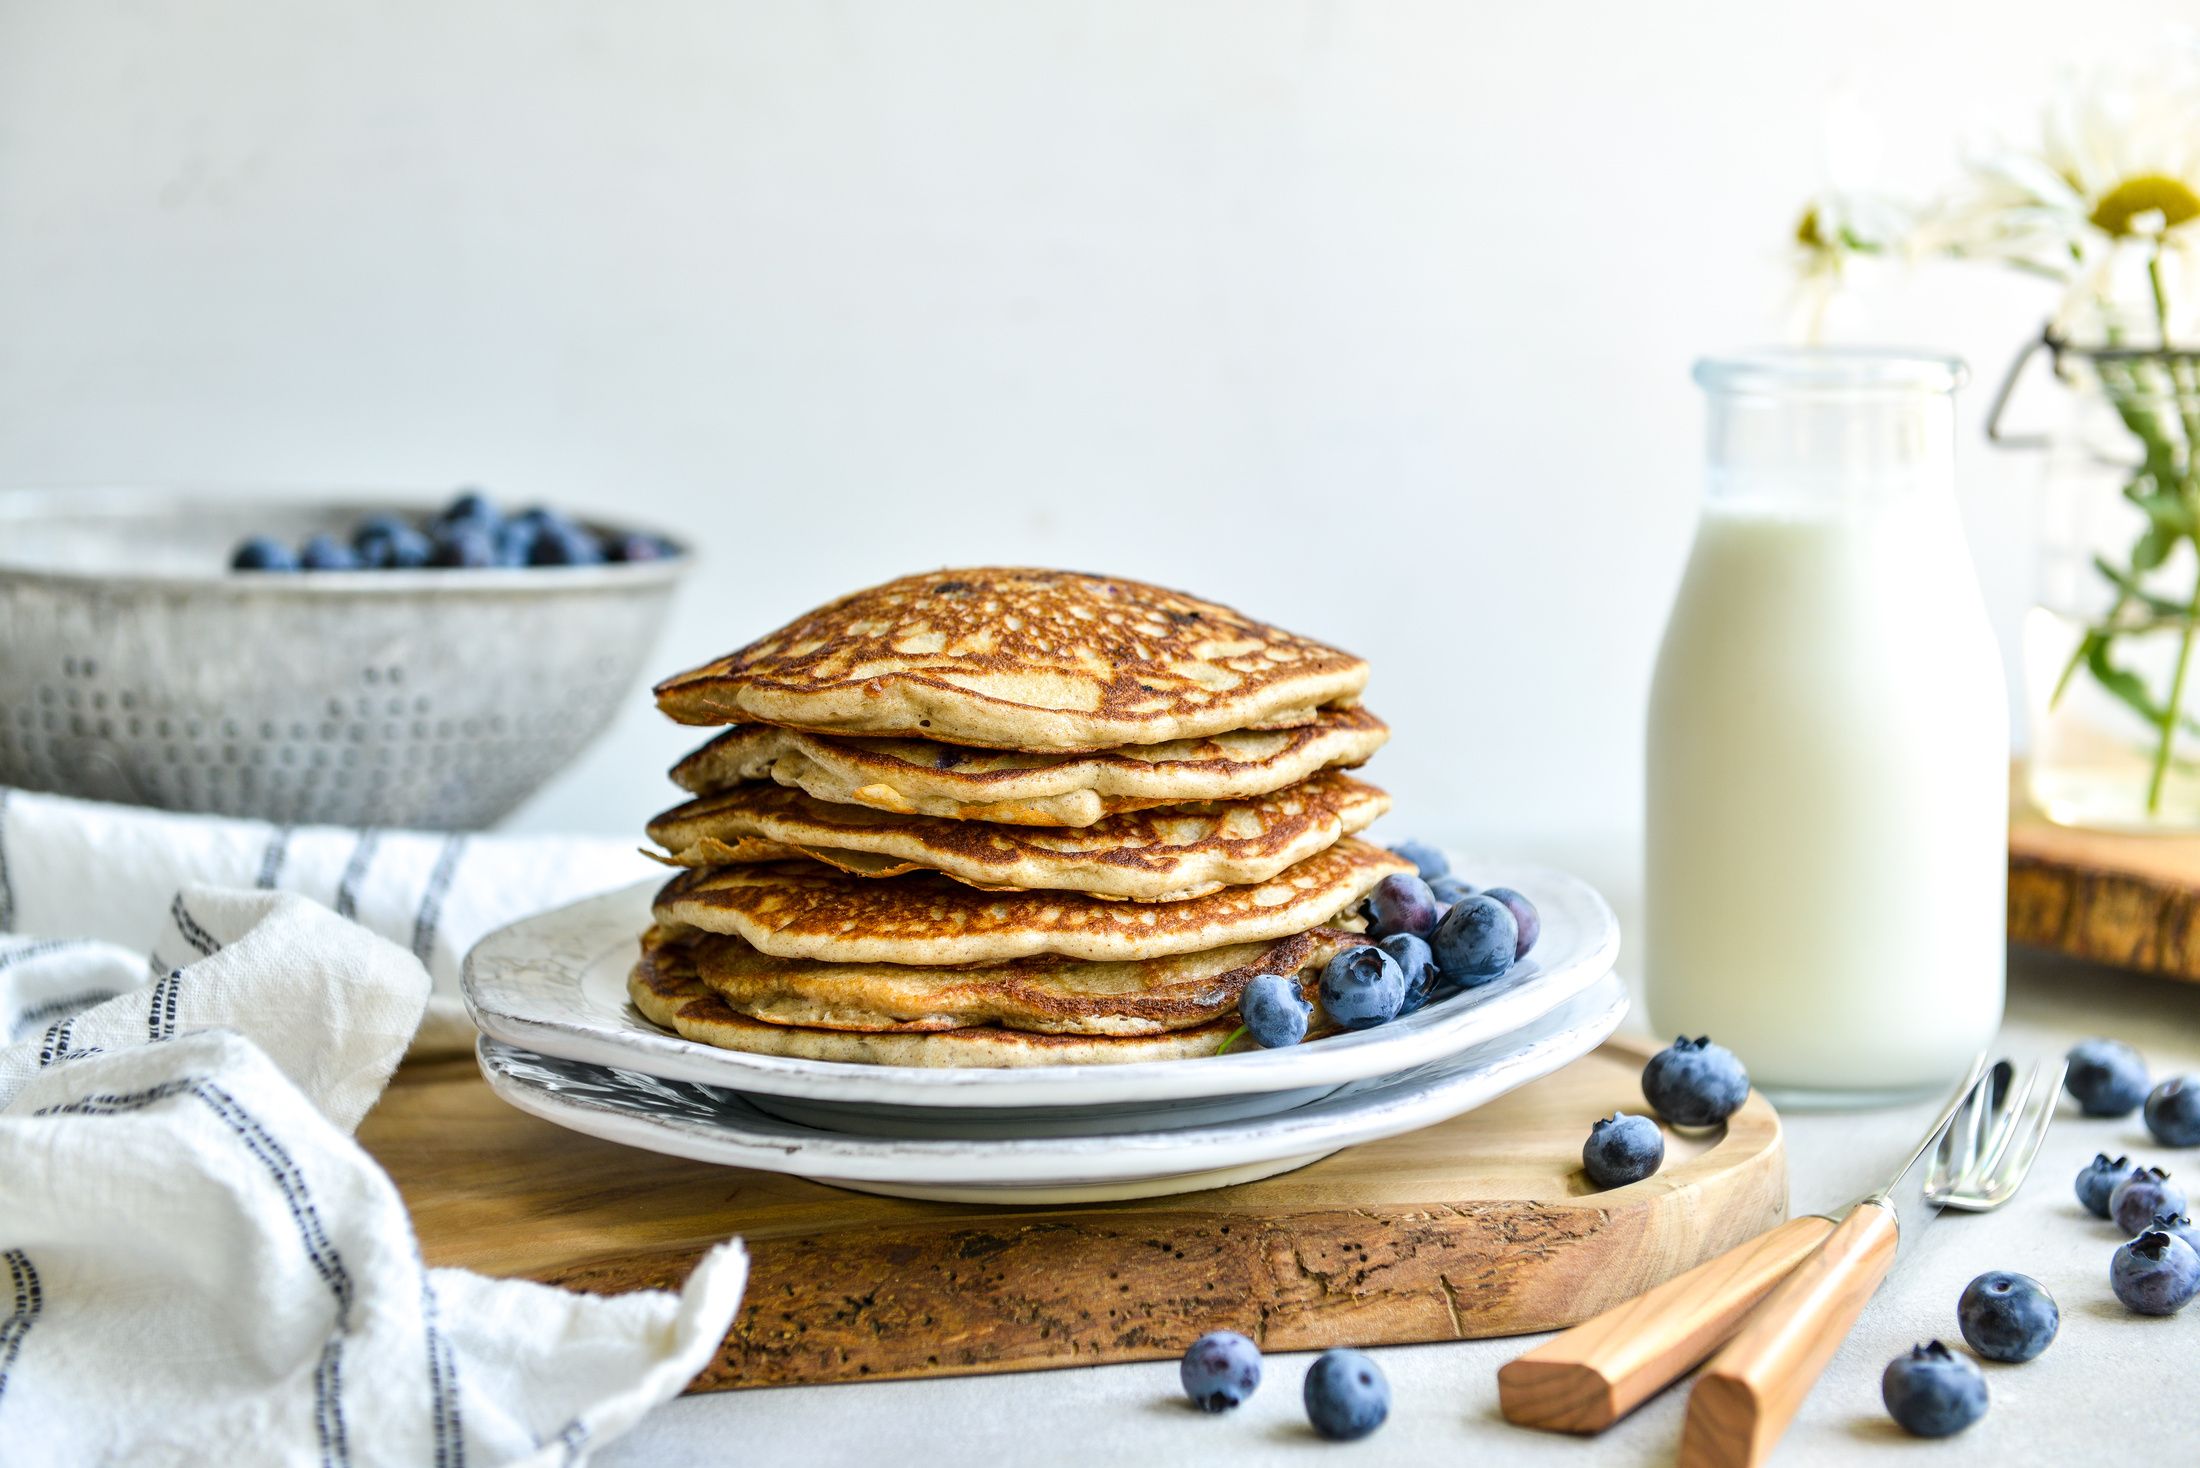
2021 1131
2007 1121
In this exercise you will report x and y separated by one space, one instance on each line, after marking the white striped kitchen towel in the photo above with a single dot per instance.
199 1265
88 869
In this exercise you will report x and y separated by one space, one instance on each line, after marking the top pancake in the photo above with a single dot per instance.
921 777
1005 658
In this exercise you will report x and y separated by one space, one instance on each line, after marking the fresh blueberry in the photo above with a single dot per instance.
515 541
564 544
1450 890
1525 918
1401 903
1363 987
2106 1078
2008 1317
1431 863
1622 1149
2142 1197
2173 1112
2181 1226
470 507
1418 963
263 553
464 545
1346 1395
1694 1082
1273 1013
1932 1392
2156 1273
324 552
1220 1371
2098 1178
397 547
632 546
379 525
1475 941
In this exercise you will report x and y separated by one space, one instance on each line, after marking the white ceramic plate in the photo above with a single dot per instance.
1048 1165
555 984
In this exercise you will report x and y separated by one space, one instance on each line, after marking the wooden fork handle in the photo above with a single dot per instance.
1589 1377
1749 1393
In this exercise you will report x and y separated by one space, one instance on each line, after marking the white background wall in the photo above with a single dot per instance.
1373 318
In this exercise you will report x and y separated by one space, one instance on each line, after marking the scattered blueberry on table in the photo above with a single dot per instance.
2008 1317
2179 1226
2142 1196
1220 1371
1476 941
1525 918
468 534
1430 862
2173 1112
2098 1178
1694 1082
1933 1392
1401 903
1346 1395
1418 963
2156 1273
1273 1011
1622 1149
2106 1078
1363 987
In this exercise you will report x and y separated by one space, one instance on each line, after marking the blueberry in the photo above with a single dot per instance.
1450 890
2106 1078
2173 1112
1525 918
2156 1273
470 507
1346 1395
1431 863
324 552
2143 1196
1694 1082
1273 1013
1932 1392
2008 1317
2098 1179
564 544
399 547
1417 963
1220 1371
1622 1149
1363 987
1475 941
1401 903
2181 1226
464 546
633 547
263 553
515 541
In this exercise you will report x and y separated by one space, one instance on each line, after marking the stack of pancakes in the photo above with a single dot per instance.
1008 817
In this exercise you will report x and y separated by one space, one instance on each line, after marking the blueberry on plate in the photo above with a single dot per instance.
2173 1112
263 553
470 507
1475 941
1622 1149
1346 1395
324 552
1418 963
632 547
464 545
1363 987
1450 890
387 543
515 541
2008 1317
1431 863
1933 1392
1401 903
1525 918
2142 1197
2106 1078
2156 1273
562 543
2098 1178
1694 1082
2180 1226
1273 1012
1220 1371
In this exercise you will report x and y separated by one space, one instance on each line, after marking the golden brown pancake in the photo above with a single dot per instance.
1011 658
1013 787
1165 854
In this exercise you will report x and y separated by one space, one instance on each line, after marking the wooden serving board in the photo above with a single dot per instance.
1483 1225
2129 901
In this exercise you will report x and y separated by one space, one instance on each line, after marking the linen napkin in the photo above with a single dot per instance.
197 1262
88 869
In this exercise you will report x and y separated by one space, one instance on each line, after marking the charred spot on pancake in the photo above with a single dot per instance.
1182 617
951 588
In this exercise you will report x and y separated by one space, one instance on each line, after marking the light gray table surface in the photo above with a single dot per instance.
2110 1375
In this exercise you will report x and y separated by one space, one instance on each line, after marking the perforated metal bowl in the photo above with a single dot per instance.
135 667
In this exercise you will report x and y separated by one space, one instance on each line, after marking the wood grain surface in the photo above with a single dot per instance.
1480 1226
2129 901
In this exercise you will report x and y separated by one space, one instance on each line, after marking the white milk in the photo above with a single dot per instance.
1828 769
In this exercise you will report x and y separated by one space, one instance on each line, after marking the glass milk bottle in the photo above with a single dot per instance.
1828 765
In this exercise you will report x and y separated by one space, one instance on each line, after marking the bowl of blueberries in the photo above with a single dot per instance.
359 661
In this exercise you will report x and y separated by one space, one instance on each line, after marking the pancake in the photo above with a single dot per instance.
1166 854
921 777
1047 994
805 910
1020 659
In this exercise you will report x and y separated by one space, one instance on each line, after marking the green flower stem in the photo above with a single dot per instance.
2176 702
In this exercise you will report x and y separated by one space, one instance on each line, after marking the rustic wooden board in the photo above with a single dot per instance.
1483 1225
2129 901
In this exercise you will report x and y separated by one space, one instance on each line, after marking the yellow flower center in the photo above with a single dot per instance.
2148 193
1806 230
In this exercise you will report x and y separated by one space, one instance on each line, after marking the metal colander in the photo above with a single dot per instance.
135 667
